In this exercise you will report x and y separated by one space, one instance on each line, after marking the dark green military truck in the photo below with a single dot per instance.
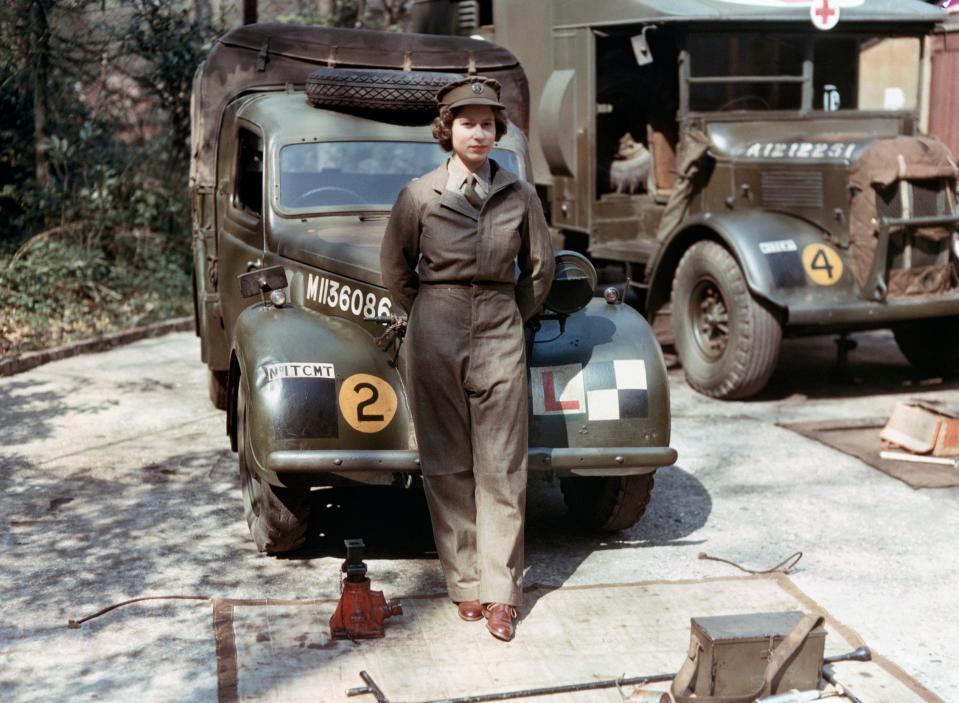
302 138
757 177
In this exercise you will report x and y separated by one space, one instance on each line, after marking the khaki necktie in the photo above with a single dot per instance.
469 191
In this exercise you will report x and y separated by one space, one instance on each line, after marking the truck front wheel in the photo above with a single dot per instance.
277 517
218 386
607 503
930 345
727 341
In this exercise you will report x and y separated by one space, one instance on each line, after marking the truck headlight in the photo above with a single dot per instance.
573 283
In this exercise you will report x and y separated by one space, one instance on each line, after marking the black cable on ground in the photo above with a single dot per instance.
75 624
785 566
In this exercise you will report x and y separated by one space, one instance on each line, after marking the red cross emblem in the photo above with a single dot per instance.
824 13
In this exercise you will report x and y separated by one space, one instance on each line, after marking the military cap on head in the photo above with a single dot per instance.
474 90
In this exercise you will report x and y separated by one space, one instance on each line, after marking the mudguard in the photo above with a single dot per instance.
602 383
786 260
315 382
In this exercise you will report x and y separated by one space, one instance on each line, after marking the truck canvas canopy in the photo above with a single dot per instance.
270 56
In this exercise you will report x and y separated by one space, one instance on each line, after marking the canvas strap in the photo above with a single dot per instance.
780 658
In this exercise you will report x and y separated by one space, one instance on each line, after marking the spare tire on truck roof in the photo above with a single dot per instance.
272 56
367 89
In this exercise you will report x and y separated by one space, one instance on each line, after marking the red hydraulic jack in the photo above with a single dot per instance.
360 613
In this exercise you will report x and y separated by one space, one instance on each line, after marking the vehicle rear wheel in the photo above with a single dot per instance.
727 341
931 345
277 517
217 386
368 89
607 503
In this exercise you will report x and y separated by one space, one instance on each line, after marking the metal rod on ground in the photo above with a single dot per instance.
527 693
798 696
860 654
548 690
370 687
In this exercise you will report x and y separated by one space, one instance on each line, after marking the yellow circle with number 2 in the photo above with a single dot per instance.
822 263
367 402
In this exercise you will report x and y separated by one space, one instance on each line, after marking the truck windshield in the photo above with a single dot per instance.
351 174
766 71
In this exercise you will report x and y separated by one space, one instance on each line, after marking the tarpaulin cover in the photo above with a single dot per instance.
264 57
694 146
882 163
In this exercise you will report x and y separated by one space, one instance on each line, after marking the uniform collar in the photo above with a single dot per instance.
459 173
499 177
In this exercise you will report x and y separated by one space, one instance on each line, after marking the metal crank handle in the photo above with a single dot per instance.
862 654
843 691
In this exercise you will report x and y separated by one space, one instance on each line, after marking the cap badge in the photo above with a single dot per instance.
477 87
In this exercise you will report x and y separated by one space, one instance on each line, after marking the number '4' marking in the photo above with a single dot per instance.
820 262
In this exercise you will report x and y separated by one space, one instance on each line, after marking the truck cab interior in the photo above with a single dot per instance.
643 88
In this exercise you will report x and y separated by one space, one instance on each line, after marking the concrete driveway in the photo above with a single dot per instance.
116 481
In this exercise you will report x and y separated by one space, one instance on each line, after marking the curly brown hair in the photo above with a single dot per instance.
443 125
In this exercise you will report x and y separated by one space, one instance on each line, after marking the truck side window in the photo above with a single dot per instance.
735 57
249 171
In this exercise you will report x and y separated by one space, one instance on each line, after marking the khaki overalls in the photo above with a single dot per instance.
453 267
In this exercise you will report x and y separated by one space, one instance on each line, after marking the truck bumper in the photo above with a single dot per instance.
866 313
603 461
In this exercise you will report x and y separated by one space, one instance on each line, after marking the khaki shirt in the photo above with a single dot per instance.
459 174
435 236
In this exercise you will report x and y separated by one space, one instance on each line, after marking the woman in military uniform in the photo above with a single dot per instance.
456 238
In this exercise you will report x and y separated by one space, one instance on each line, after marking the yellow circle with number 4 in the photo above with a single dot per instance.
368 403
822 263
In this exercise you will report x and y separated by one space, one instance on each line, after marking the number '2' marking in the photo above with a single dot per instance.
361 414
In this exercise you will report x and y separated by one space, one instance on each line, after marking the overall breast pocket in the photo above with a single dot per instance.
506 234
447 237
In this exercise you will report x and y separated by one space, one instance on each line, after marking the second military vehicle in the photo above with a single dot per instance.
756 176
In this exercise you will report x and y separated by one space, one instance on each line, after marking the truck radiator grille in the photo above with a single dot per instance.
916 265
925 199
791 189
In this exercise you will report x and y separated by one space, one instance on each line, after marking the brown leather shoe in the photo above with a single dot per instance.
470 610
500 620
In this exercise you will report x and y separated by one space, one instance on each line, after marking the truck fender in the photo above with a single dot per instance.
606 355
313 382
768 246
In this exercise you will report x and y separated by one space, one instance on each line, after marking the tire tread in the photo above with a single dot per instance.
607 503
375 89
755 348
280 525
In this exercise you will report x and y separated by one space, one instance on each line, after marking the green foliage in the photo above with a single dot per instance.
58 289
94 157
384 14
102 242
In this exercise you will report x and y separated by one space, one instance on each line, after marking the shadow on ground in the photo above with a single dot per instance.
26 409
394 524
808 366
